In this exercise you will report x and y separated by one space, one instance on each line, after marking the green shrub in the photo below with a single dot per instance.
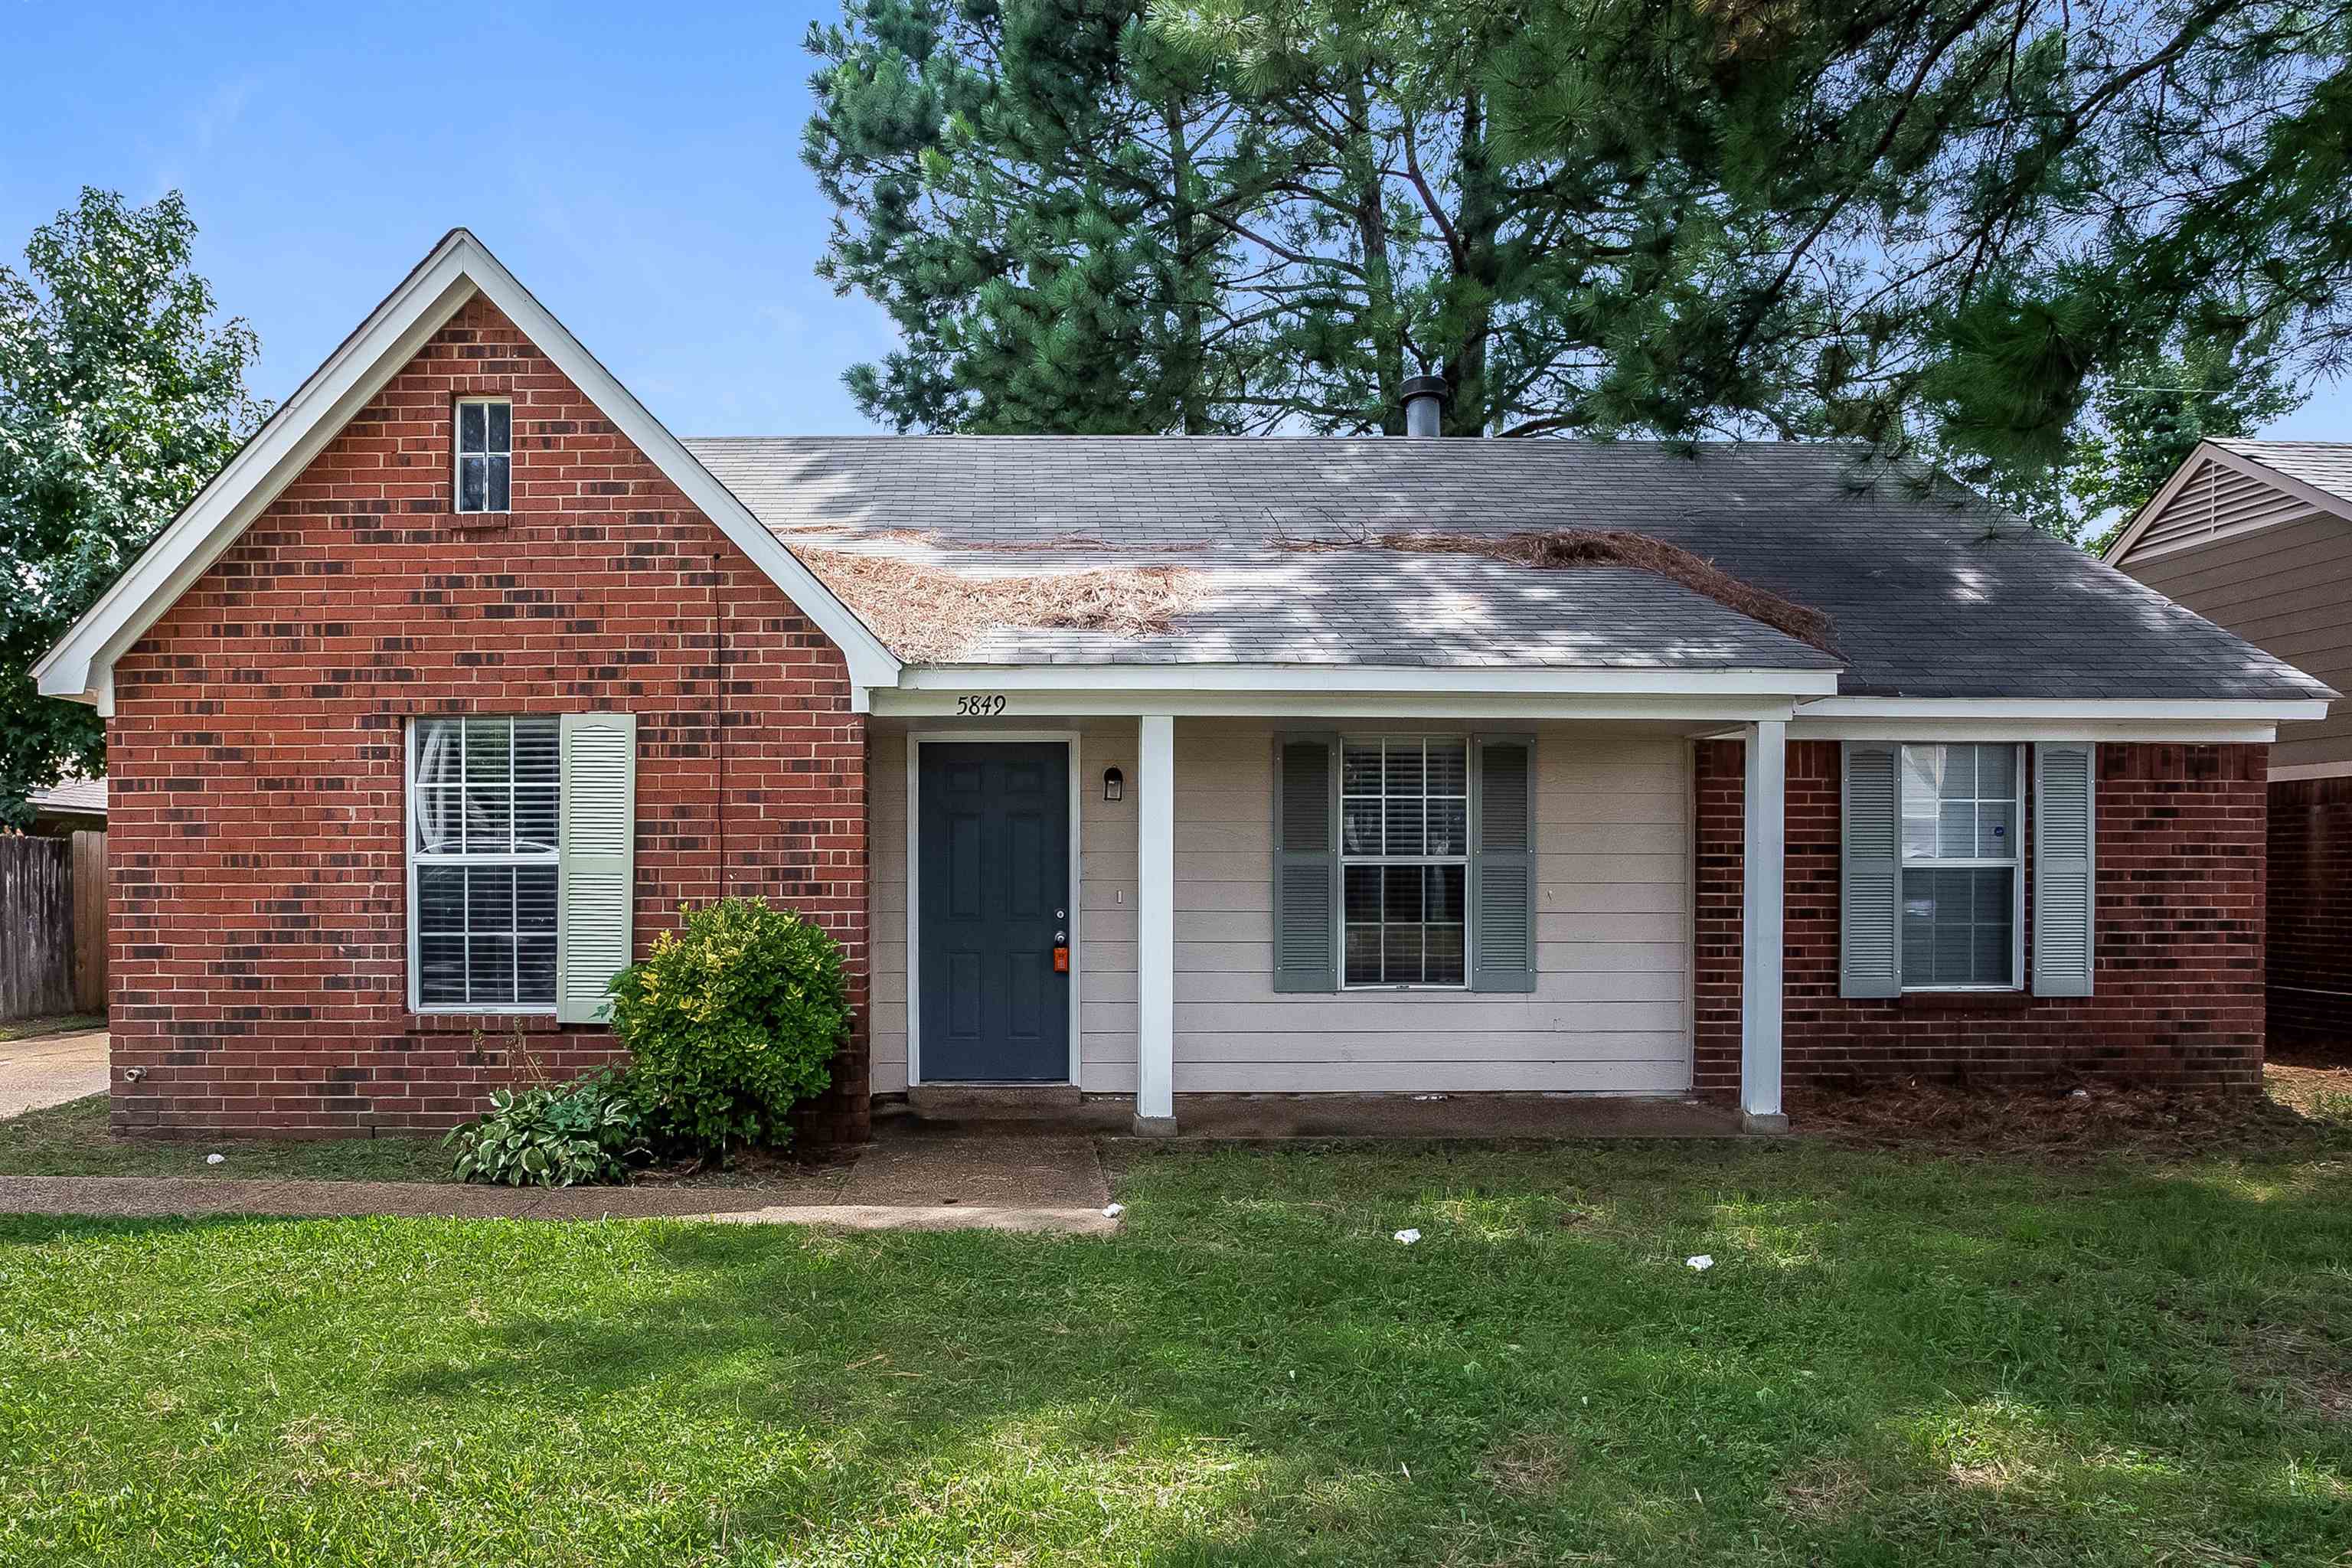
554 1135
732 1022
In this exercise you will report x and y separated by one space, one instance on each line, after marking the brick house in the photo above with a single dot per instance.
1142 767
2258 536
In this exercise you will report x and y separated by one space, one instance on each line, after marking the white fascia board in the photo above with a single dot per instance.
81 666
2293 771
1694 714
870 663
2185 722
1396 680
2089 709
2201 732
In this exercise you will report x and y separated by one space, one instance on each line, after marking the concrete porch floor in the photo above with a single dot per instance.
940 1111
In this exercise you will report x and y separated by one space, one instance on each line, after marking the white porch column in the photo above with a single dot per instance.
1764 851
1155 912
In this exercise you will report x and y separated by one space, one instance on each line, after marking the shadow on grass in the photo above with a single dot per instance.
1890 1359
2037 1362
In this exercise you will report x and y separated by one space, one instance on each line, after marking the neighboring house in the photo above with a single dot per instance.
70 806
1143 767
2257 536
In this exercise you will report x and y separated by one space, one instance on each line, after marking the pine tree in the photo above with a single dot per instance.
1939 226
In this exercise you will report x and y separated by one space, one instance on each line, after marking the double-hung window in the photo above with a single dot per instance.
485 454
484 803
1962 892
1405 860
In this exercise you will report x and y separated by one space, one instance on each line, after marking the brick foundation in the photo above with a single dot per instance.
2179 981
2311 912
259 946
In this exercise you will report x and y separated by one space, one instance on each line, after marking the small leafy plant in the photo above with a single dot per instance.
733 1021
554 1135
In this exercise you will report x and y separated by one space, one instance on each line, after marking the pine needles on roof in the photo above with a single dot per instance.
928 615
1622 547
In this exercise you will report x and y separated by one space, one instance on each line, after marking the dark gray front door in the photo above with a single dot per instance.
994 885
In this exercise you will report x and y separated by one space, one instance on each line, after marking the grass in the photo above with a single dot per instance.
34 1029
72 1140
1894 1360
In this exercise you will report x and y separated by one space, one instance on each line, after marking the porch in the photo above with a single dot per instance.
1124 947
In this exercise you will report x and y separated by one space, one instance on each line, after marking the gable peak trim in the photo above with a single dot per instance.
460 267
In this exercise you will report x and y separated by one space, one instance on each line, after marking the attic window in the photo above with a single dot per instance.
485 454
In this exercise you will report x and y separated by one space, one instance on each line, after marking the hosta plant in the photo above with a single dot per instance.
554 1135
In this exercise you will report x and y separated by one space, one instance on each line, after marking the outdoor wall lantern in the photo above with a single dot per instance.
1114 784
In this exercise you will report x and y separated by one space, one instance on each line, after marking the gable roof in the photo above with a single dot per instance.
71 796
81 665
2245 486
1931 591
2326 466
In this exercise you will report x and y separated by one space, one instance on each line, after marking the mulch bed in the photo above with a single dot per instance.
2070 1118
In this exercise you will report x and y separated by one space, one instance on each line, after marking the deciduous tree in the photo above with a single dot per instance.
121 394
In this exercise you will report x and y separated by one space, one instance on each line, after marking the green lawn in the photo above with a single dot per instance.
72 1140
1893 1361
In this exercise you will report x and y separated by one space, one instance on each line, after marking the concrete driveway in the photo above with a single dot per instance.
51 1069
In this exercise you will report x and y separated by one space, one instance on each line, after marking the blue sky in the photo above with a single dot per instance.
638 167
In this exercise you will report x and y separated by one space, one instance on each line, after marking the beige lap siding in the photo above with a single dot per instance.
1106 930
1610 1012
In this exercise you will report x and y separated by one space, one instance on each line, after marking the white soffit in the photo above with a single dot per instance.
81 666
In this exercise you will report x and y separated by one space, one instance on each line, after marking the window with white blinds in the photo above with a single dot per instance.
1404 858
484 800
522 862
1960 863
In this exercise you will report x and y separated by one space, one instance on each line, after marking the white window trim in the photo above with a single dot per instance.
457 454
2015 865
417 1002
1469 837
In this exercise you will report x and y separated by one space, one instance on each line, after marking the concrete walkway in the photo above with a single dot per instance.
1017 1183
51 1069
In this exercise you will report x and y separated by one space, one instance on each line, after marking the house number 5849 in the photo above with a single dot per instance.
987 706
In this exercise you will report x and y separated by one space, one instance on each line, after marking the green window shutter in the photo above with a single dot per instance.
1306 862
1502 866
2065 888
1870 952
595 876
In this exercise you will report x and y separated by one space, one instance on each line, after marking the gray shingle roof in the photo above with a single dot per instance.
71 794
2323 465
1932 590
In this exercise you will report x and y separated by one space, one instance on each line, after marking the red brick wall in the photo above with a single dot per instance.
2311 911
2178 980
260 931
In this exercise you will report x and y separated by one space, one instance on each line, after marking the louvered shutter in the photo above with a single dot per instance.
2065 890
1306 863
1870 890
1503 866
595 875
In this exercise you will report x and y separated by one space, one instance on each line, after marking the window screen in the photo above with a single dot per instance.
1404 847
484 455
1960 865
483 802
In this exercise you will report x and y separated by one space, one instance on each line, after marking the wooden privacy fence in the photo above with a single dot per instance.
52 925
